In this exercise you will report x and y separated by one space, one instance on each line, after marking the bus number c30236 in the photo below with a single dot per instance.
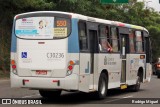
55 55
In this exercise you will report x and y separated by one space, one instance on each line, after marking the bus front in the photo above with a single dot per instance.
42 52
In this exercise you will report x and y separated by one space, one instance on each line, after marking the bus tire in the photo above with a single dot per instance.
158 76
50 94
136 87
102 86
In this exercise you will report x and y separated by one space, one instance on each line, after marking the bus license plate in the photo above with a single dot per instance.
41 72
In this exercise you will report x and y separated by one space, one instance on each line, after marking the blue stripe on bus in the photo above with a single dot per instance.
73 43
14 40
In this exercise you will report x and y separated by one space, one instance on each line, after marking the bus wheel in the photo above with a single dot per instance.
102 86
158 76
136 87
50 94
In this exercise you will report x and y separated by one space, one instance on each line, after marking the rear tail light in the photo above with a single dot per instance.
71 62
70 67
13 65
24 81
12 62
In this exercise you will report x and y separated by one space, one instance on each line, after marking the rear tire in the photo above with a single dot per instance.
136 87
102 86
50 94
158 76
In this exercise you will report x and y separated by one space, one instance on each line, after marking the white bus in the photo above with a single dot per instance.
53 51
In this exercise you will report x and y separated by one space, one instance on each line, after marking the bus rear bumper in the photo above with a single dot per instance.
66 83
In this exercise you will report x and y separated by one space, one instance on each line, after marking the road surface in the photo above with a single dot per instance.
115 96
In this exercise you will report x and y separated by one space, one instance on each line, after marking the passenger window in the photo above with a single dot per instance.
132 41
115 39
104 44
139 42
83 42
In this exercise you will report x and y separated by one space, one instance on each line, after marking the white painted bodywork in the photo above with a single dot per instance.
38 53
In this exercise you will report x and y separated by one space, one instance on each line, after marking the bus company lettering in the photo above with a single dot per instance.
28 60
109 61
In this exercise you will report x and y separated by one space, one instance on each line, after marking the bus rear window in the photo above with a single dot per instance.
43 27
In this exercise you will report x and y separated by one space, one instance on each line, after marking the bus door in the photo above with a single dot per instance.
148 52
124 52
123 56
88 59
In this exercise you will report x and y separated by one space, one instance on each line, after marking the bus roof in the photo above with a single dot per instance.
87 18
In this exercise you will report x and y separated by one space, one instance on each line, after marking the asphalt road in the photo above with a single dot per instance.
115 96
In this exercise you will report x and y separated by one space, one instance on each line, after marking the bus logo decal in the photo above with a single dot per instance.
24 54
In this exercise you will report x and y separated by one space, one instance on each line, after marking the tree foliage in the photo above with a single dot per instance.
134 12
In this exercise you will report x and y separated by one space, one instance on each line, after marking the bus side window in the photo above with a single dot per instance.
115 39
104 44
132 41
139 42
83 41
